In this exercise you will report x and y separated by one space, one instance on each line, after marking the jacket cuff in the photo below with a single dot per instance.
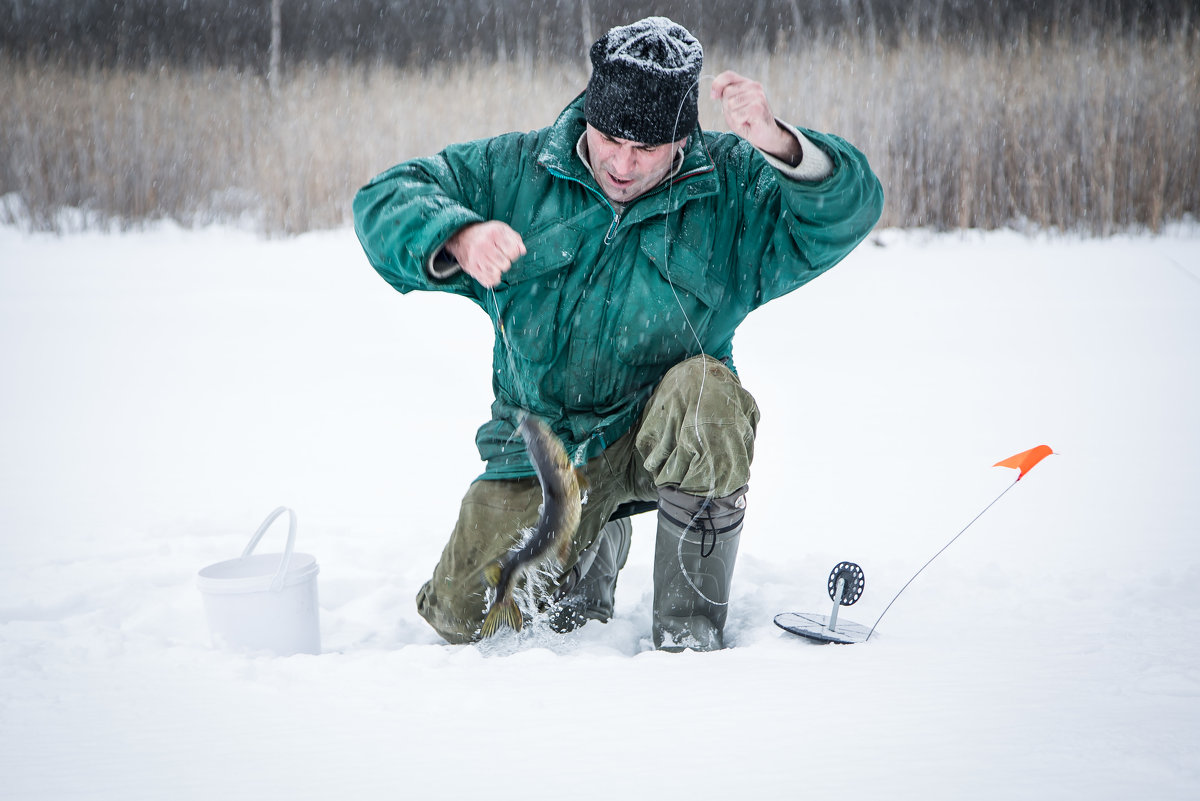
815 164
441 265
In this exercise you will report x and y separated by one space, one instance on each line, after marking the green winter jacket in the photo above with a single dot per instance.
603 304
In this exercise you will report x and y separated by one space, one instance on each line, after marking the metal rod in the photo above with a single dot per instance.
837 602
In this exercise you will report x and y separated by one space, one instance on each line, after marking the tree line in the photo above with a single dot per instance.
237 33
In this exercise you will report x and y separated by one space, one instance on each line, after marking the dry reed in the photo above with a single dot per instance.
1094 136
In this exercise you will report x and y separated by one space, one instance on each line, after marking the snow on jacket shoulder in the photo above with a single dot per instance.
603 304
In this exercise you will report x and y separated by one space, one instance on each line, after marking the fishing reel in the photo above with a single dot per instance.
846 583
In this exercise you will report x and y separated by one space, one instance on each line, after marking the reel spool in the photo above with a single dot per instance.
845 585
853 581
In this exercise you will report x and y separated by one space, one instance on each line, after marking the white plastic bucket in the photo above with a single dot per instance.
265 602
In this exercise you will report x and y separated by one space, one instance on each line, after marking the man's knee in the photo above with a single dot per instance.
698 429
491 520
697 377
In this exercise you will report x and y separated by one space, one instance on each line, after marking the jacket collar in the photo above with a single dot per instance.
696 176
581 150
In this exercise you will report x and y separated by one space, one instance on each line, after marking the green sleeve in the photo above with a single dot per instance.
404 216
799 229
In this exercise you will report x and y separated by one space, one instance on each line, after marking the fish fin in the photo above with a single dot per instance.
503 612
491 574
581 479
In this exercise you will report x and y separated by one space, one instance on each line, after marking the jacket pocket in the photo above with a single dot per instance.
530 295
669 305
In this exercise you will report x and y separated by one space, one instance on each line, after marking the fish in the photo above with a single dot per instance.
562 503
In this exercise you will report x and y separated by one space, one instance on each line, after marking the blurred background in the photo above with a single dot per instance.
1073 115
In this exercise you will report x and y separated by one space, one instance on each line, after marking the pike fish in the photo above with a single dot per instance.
551 538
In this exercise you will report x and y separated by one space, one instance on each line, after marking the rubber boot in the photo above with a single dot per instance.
694 555
590 587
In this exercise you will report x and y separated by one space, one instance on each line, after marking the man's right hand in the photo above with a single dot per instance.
486 250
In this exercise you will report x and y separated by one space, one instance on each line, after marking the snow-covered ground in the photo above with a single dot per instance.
163 391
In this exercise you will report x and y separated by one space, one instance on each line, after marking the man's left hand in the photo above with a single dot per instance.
748 115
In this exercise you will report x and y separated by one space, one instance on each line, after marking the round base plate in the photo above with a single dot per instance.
815 627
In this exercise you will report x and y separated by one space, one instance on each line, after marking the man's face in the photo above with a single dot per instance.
626 169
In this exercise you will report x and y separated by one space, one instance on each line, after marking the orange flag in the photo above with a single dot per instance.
1026 460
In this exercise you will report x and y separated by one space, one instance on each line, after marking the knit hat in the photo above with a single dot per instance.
644 83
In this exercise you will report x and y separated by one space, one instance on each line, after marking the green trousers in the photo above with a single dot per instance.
696 433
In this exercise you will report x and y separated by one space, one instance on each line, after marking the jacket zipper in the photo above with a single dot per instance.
612 229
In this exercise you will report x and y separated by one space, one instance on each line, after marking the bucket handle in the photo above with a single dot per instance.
281 573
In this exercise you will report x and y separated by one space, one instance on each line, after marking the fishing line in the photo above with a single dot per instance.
1188 273
498 319
936 555
666 251
691 526
679 553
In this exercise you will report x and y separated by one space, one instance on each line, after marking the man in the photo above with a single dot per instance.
617 251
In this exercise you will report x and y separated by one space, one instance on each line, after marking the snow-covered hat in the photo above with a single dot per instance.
644 83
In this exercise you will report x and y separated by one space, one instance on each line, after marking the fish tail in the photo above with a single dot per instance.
503 612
